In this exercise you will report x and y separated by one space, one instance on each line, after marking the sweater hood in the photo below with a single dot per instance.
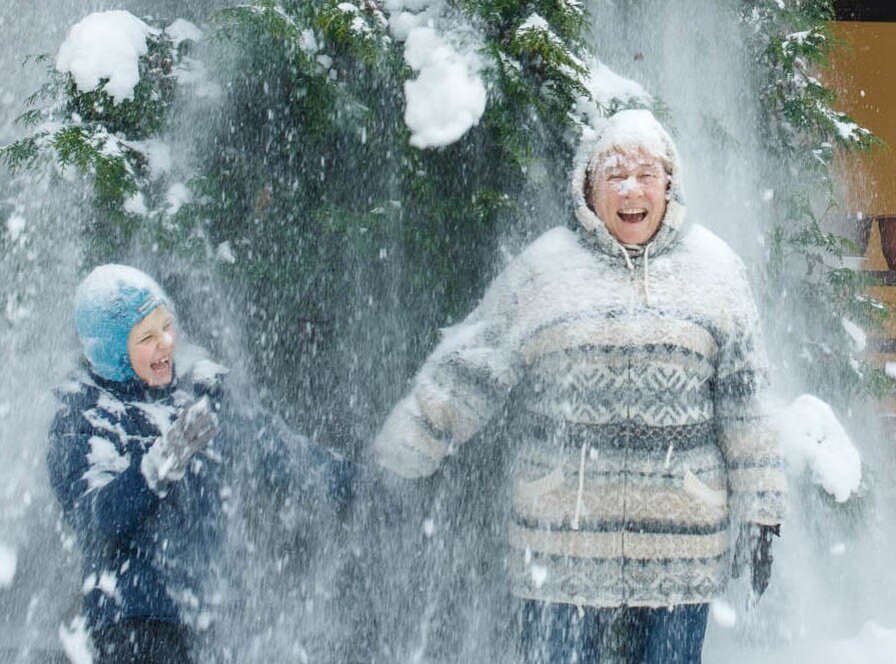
628 130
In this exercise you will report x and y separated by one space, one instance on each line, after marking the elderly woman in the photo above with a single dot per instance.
631 350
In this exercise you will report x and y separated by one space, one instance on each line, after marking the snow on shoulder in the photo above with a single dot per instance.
105 45
711 252
448 96
812 436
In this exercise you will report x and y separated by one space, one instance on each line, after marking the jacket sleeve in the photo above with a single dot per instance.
461 385
102 495
297 465
756 480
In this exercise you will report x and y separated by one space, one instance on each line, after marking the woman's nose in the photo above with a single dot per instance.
631 187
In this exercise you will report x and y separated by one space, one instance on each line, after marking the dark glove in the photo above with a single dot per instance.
754 547
167 458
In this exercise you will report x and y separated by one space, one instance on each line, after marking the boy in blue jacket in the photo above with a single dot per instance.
141 461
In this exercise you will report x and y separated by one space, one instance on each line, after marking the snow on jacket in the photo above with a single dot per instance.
636 430
148 555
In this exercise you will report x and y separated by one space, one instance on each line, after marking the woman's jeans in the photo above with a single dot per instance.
558 634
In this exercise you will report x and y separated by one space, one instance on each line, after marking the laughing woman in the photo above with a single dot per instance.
627 355
143 457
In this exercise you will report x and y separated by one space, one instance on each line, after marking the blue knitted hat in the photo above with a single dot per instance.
108 303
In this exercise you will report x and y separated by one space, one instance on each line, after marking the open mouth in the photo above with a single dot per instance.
632 215
162 366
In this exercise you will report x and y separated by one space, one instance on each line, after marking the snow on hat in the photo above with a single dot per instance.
630 130
108 303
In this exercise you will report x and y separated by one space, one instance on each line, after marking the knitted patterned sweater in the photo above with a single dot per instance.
637 432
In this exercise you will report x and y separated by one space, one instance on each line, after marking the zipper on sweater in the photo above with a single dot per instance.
628 428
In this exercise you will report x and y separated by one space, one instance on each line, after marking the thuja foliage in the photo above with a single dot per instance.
372 243
345 246
89 134
805 285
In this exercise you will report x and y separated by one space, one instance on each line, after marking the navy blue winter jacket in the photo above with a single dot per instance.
146 555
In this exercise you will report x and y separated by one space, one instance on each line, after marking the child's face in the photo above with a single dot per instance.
151 347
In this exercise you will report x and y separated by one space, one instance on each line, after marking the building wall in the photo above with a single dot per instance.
863 74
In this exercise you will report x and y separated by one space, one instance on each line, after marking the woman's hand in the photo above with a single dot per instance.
754 547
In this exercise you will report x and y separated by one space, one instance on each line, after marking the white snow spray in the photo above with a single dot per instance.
430 587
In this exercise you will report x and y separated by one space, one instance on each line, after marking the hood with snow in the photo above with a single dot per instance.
628 131
108 303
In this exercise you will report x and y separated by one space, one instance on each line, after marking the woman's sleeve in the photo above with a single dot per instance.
756 480
460 386
102 492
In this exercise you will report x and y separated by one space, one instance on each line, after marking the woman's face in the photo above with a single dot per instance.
628 193
151 347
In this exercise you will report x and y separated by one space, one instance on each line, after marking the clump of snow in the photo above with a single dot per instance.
178 195
105 45
76 642
857 334
605 85
405 15
812 436
135 204
107 583
429 528
838 549
534 22
181 30
8 564
15 224
890 369
308 43
359 25
105 463
224 253
539 575
723 613
157 153
448 96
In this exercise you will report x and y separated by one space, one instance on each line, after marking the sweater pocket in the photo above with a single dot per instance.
696 488
532 490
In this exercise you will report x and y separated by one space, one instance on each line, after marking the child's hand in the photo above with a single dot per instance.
167 459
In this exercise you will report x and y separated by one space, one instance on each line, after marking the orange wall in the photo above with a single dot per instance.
863 74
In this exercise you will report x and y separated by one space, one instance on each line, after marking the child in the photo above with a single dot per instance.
140 459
